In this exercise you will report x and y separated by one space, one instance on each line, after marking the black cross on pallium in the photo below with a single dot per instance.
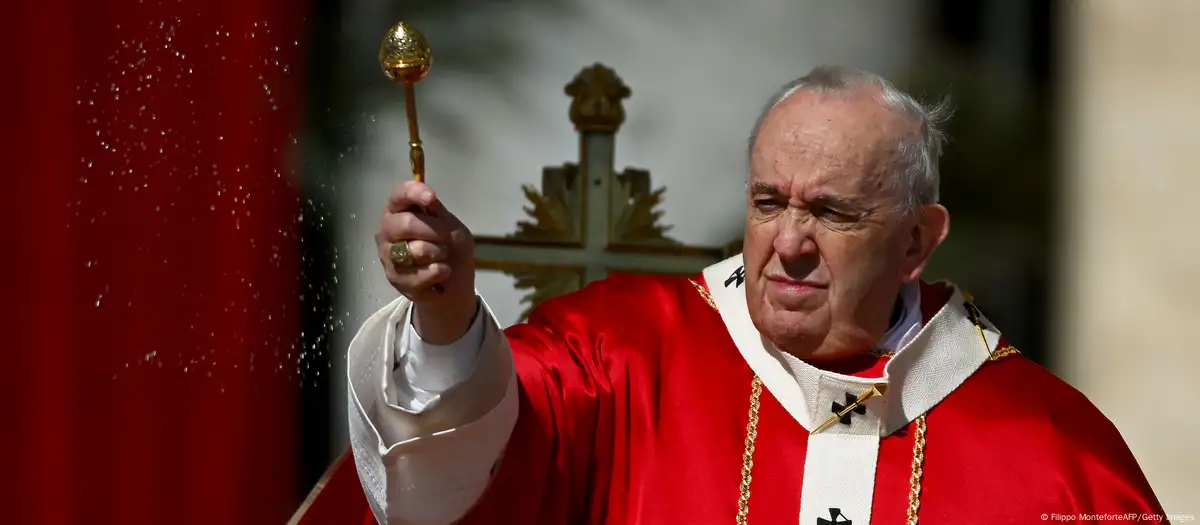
850 399
835 516
738 275
974 314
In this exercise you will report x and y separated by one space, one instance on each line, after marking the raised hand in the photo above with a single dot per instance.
422 247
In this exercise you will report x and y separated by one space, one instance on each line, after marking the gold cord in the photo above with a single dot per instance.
918 462
748 454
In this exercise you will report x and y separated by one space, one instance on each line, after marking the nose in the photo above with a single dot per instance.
794 240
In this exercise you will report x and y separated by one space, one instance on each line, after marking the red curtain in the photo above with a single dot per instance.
152 318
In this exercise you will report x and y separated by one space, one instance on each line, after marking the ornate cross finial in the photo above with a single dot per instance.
597 93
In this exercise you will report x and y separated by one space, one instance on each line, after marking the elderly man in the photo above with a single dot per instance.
813 378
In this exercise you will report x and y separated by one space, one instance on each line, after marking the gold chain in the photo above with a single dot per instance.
918 462
748 455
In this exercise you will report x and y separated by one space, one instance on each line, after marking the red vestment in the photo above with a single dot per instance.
633 410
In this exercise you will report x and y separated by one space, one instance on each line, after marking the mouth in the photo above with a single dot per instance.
796 286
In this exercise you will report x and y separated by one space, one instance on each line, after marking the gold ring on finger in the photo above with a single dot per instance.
401 255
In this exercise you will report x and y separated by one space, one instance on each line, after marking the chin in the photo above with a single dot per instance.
799 333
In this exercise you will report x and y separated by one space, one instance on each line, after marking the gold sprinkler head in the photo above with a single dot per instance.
404 54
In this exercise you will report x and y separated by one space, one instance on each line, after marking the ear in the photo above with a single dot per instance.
931 228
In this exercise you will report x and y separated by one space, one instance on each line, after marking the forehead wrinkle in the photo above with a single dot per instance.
816 166
821 141
813 139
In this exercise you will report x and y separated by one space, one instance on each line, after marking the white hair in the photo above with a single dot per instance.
915 157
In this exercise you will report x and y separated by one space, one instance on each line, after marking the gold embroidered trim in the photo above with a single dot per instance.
704 293
1003 352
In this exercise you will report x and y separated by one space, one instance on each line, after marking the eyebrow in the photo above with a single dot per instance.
827 199
760 188
835 201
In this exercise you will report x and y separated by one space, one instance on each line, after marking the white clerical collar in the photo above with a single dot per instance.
948 343
910 319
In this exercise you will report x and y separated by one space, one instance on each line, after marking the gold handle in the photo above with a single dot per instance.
416 154
405 58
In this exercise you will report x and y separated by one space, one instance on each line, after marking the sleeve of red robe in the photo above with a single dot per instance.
558 467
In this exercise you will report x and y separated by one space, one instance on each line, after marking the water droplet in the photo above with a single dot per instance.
98 299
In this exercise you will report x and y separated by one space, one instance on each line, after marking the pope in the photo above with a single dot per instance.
815 378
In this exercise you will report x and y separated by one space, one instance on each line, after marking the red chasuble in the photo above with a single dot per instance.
636 397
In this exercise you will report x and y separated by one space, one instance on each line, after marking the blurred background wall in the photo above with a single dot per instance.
197 185
1128 272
